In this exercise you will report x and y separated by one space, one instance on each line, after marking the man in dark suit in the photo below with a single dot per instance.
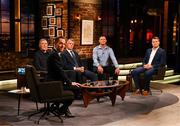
73 62
56 72
40 57
155 57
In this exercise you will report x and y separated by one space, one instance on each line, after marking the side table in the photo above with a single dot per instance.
20 93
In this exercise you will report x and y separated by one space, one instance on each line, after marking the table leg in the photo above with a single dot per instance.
112 96
122 91
19 100
86 97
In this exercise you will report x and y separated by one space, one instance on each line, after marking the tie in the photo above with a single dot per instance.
59 54
74 58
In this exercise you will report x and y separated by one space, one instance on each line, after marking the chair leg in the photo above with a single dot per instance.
57 115
37 112
37 106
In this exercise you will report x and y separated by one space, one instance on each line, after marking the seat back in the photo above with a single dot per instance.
160 73
32 82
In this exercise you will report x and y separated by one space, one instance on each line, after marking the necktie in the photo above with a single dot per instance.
59 54
74 58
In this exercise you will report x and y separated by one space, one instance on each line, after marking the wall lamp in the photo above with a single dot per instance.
77 17
99 18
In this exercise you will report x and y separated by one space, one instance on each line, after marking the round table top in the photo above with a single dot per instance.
104 84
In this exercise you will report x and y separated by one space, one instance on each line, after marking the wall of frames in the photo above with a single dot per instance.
51 21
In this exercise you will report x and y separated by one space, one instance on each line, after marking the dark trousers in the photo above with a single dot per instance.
108 72
65 106
78 76
141 72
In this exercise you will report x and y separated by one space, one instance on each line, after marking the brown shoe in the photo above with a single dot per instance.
145 93
137 92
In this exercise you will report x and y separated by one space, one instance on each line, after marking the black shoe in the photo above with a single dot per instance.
68 114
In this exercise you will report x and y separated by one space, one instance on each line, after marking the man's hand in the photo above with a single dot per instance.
100 69
80 69
117 71
147 66
75 84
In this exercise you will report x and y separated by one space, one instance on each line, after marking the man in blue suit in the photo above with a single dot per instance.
73 62
155 57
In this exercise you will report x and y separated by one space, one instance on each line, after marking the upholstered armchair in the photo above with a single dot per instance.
46 92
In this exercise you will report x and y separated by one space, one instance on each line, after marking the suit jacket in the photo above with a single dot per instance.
158 60
55 67
69 63
40 60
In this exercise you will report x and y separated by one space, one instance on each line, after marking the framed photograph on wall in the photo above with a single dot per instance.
58 11
87 32
49 10
58 22
52 21
51 31
60 33
44 23
45 32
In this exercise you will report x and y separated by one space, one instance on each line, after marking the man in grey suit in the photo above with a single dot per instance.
155 57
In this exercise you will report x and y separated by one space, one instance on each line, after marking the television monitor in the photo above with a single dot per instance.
21 71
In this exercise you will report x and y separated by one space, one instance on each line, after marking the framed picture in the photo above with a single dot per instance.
58 11
45 32
44 22
60 33
52 21
87 32
58 22
51 31
49 10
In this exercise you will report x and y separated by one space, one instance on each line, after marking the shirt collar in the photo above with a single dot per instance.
102 48
155 49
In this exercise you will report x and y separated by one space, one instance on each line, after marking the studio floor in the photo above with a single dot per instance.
159 109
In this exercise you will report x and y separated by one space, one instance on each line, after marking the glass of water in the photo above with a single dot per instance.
88 82
110 80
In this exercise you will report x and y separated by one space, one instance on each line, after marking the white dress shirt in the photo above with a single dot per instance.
153 52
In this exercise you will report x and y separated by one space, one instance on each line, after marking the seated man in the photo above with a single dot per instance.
40 58
101 55
154 58
56 72
73 62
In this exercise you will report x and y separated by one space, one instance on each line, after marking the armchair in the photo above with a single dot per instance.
158 76
46 92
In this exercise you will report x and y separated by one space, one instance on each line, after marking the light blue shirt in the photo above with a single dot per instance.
101 56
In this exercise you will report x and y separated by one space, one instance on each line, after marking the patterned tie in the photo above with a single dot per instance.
74 58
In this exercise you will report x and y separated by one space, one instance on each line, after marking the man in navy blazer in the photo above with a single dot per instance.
155 57
73 63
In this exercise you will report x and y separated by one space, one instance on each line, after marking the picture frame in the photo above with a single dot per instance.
51 31
60 33
87 32
58 11
50 10
45 32
59 22
44 23
52 21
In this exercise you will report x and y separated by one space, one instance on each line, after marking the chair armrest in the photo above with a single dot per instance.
41 71
160 73
41 74
50 90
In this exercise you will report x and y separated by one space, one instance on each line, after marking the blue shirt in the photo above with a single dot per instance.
101 56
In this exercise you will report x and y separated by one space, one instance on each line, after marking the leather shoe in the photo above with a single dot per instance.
68 114
145 93
137 92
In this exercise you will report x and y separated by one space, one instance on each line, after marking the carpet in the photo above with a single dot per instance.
97 113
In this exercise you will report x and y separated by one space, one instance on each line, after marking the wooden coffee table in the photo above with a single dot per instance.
99 89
